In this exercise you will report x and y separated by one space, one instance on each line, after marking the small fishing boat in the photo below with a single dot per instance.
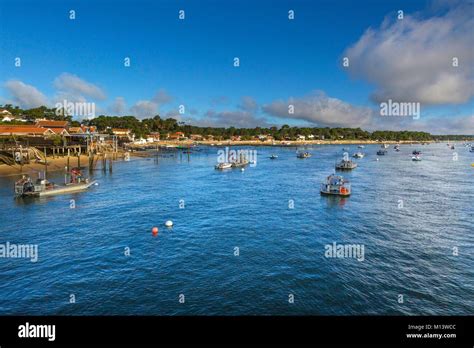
384 146
273 156
452 147
381 152
25 187
358 155
240 164
303 155
416 158
416 152
346 164
223 165
361 146
471 149
336 185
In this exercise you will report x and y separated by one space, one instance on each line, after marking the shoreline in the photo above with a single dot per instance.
54 165
59 163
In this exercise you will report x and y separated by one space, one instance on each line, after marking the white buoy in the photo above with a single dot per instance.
96 184
169 223
242 169
377 159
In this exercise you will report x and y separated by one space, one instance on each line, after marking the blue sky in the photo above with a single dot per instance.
190 61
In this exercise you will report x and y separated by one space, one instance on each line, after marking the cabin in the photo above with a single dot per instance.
176 136
52 124
154 136
196 137
31 131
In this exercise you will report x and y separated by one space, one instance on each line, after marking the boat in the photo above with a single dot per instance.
240 164
381 152
471 149
223 165
336 185
303 155
346 164
384 146
452 147
26 187
416 152
358 155
361 146
416 158
273 156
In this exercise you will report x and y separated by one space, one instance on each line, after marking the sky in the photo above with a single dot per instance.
185 68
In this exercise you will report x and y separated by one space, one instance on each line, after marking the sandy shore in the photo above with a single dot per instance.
54 164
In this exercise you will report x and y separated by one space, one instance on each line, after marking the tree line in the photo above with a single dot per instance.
142 128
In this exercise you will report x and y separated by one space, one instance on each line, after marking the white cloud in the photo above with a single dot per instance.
25 96
144 109
75 89
118 107
412 59
162 97
248 103
321 110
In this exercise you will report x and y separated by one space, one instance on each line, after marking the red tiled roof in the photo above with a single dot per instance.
20 130
51 124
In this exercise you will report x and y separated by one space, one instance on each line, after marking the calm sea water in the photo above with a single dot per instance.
408 250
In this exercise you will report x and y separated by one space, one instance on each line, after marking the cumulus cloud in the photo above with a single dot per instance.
119 106
228 118
321 110
412 59
247 103
25 96
144 109
73 88
162 97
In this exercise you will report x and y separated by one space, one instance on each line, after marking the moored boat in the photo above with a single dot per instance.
223 165
416 158
273 156
336 185
358 155
346 164
26 187
303 155
381 152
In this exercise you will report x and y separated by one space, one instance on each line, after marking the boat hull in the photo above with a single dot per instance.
325 193
61 190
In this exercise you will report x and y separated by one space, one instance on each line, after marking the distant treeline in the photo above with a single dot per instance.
157 124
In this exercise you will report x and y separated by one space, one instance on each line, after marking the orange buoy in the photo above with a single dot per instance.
154 231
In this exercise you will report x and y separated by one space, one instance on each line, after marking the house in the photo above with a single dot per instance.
76 130
196 137
311 136
122 132
26 131
176 136
60 131
235 138
8 118
52 124
301 137
155 136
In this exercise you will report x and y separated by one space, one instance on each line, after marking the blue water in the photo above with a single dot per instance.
408 251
